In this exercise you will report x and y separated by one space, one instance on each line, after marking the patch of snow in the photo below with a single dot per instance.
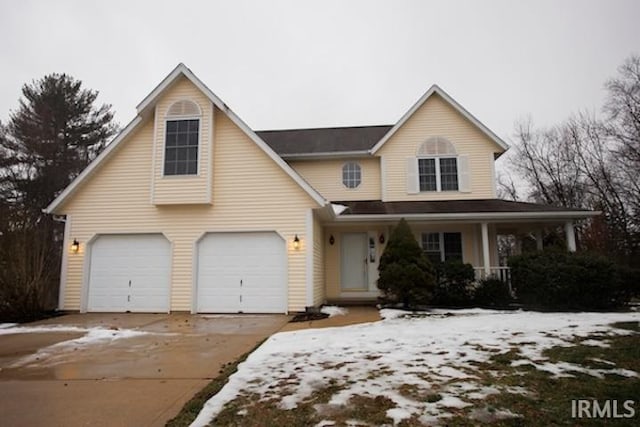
391 313
605 362
516 389
333 310
426 349
595 343
398 414
338 209
54 353
7 325
40 329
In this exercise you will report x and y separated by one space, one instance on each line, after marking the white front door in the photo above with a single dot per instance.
130 272
354 264
242 273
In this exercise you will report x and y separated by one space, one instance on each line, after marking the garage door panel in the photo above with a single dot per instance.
130 273
242 272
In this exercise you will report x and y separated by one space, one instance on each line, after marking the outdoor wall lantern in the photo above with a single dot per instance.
296 243
381 239
75 246
332 240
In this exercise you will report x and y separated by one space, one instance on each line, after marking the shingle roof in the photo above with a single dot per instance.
377 207
323 140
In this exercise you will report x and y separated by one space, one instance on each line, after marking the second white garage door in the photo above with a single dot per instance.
242 273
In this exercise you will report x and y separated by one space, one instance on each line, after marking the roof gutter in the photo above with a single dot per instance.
473 216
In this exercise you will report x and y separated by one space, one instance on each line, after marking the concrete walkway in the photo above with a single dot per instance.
354 315
113 377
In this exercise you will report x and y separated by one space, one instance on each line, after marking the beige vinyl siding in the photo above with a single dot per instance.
437 118
333 253
251 193
318 263
326 177
177 189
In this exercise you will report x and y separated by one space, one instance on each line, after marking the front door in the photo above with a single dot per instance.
354 261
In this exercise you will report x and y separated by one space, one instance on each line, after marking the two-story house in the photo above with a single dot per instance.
188 209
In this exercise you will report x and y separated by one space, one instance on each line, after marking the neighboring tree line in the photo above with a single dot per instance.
55 132
589 161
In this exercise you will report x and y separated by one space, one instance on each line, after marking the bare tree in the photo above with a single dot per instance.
591 162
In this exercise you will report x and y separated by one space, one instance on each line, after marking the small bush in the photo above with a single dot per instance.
492 292
559 280
453 287
406 275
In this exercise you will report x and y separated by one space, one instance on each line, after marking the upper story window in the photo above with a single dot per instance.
437 167
182 139
351 175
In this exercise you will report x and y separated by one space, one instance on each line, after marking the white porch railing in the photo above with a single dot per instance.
499 272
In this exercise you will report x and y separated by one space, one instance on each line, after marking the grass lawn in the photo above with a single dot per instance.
460 368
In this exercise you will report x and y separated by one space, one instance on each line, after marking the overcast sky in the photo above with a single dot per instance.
291 64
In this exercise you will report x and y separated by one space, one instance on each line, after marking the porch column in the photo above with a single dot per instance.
485 249
538 235
571 236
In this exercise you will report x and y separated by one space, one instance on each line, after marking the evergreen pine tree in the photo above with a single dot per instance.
406 274
52 136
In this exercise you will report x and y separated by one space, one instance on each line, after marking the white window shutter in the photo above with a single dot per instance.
464 174
412 176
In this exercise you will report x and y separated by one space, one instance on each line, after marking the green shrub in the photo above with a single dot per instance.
453 285
560 280
629 281
406 275
492 292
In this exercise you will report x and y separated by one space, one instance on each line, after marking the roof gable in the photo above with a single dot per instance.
144 109
435 89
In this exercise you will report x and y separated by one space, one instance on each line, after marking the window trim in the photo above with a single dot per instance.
342 171
164 146
436 160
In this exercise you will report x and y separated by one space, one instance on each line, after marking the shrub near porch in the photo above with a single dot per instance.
406 274
560 280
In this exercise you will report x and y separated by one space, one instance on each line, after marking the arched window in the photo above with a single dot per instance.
437 146
437 165
351 175
182 138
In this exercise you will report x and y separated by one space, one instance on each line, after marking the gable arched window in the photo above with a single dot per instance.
437 165
182 138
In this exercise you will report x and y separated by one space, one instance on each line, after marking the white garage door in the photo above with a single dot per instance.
242 273
130 273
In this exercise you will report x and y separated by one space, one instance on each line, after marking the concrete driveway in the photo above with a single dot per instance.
118 369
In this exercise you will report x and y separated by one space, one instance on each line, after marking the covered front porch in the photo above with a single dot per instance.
458 230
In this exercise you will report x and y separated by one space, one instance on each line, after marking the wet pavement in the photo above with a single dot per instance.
119 369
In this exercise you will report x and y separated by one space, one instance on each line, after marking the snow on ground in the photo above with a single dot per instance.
7 325
92 336
333 310
40 329
431 352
